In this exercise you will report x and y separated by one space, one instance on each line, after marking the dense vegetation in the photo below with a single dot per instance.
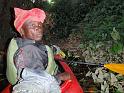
99 26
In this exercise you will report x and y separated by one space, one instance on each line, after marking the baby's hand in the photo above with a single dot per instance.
64 76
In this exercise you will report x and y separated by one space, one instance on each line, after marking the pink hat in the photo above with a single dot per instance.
21 16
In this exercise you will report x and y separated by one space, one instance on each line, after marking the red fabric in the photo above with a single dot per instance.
7 89
21 16
70 86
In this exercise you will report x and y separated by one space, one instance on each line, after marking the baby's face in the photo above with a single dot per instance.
32 30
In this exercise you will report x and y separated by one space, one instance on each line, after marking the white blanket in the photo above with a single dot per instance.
34 83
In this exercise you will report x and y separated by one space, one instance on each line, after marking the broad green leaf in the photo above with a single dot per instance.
115 34
117 91
120 88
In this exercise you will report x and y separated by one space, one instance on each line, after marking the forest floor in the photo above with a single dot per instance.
71 46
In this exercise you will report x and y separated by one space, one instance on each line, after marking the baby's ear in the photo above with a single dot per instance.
21 32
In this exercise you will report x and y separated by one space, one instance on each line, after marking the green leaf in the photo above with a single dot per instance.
115 34
81 46
117 48
117 91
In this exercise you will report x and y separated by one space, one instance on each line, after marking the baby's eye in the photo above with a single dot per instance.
39 25
33 25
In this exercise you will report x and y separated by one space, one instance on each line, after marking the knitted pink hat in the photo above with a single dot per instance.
21 16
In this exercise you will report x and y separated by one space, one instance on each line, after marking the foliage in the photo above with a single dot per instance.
105 52
100 21
107 80
68 13
101 52
117 46
115 34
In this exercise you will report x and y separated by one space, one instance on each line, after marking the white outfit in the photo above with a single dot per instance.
34 83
